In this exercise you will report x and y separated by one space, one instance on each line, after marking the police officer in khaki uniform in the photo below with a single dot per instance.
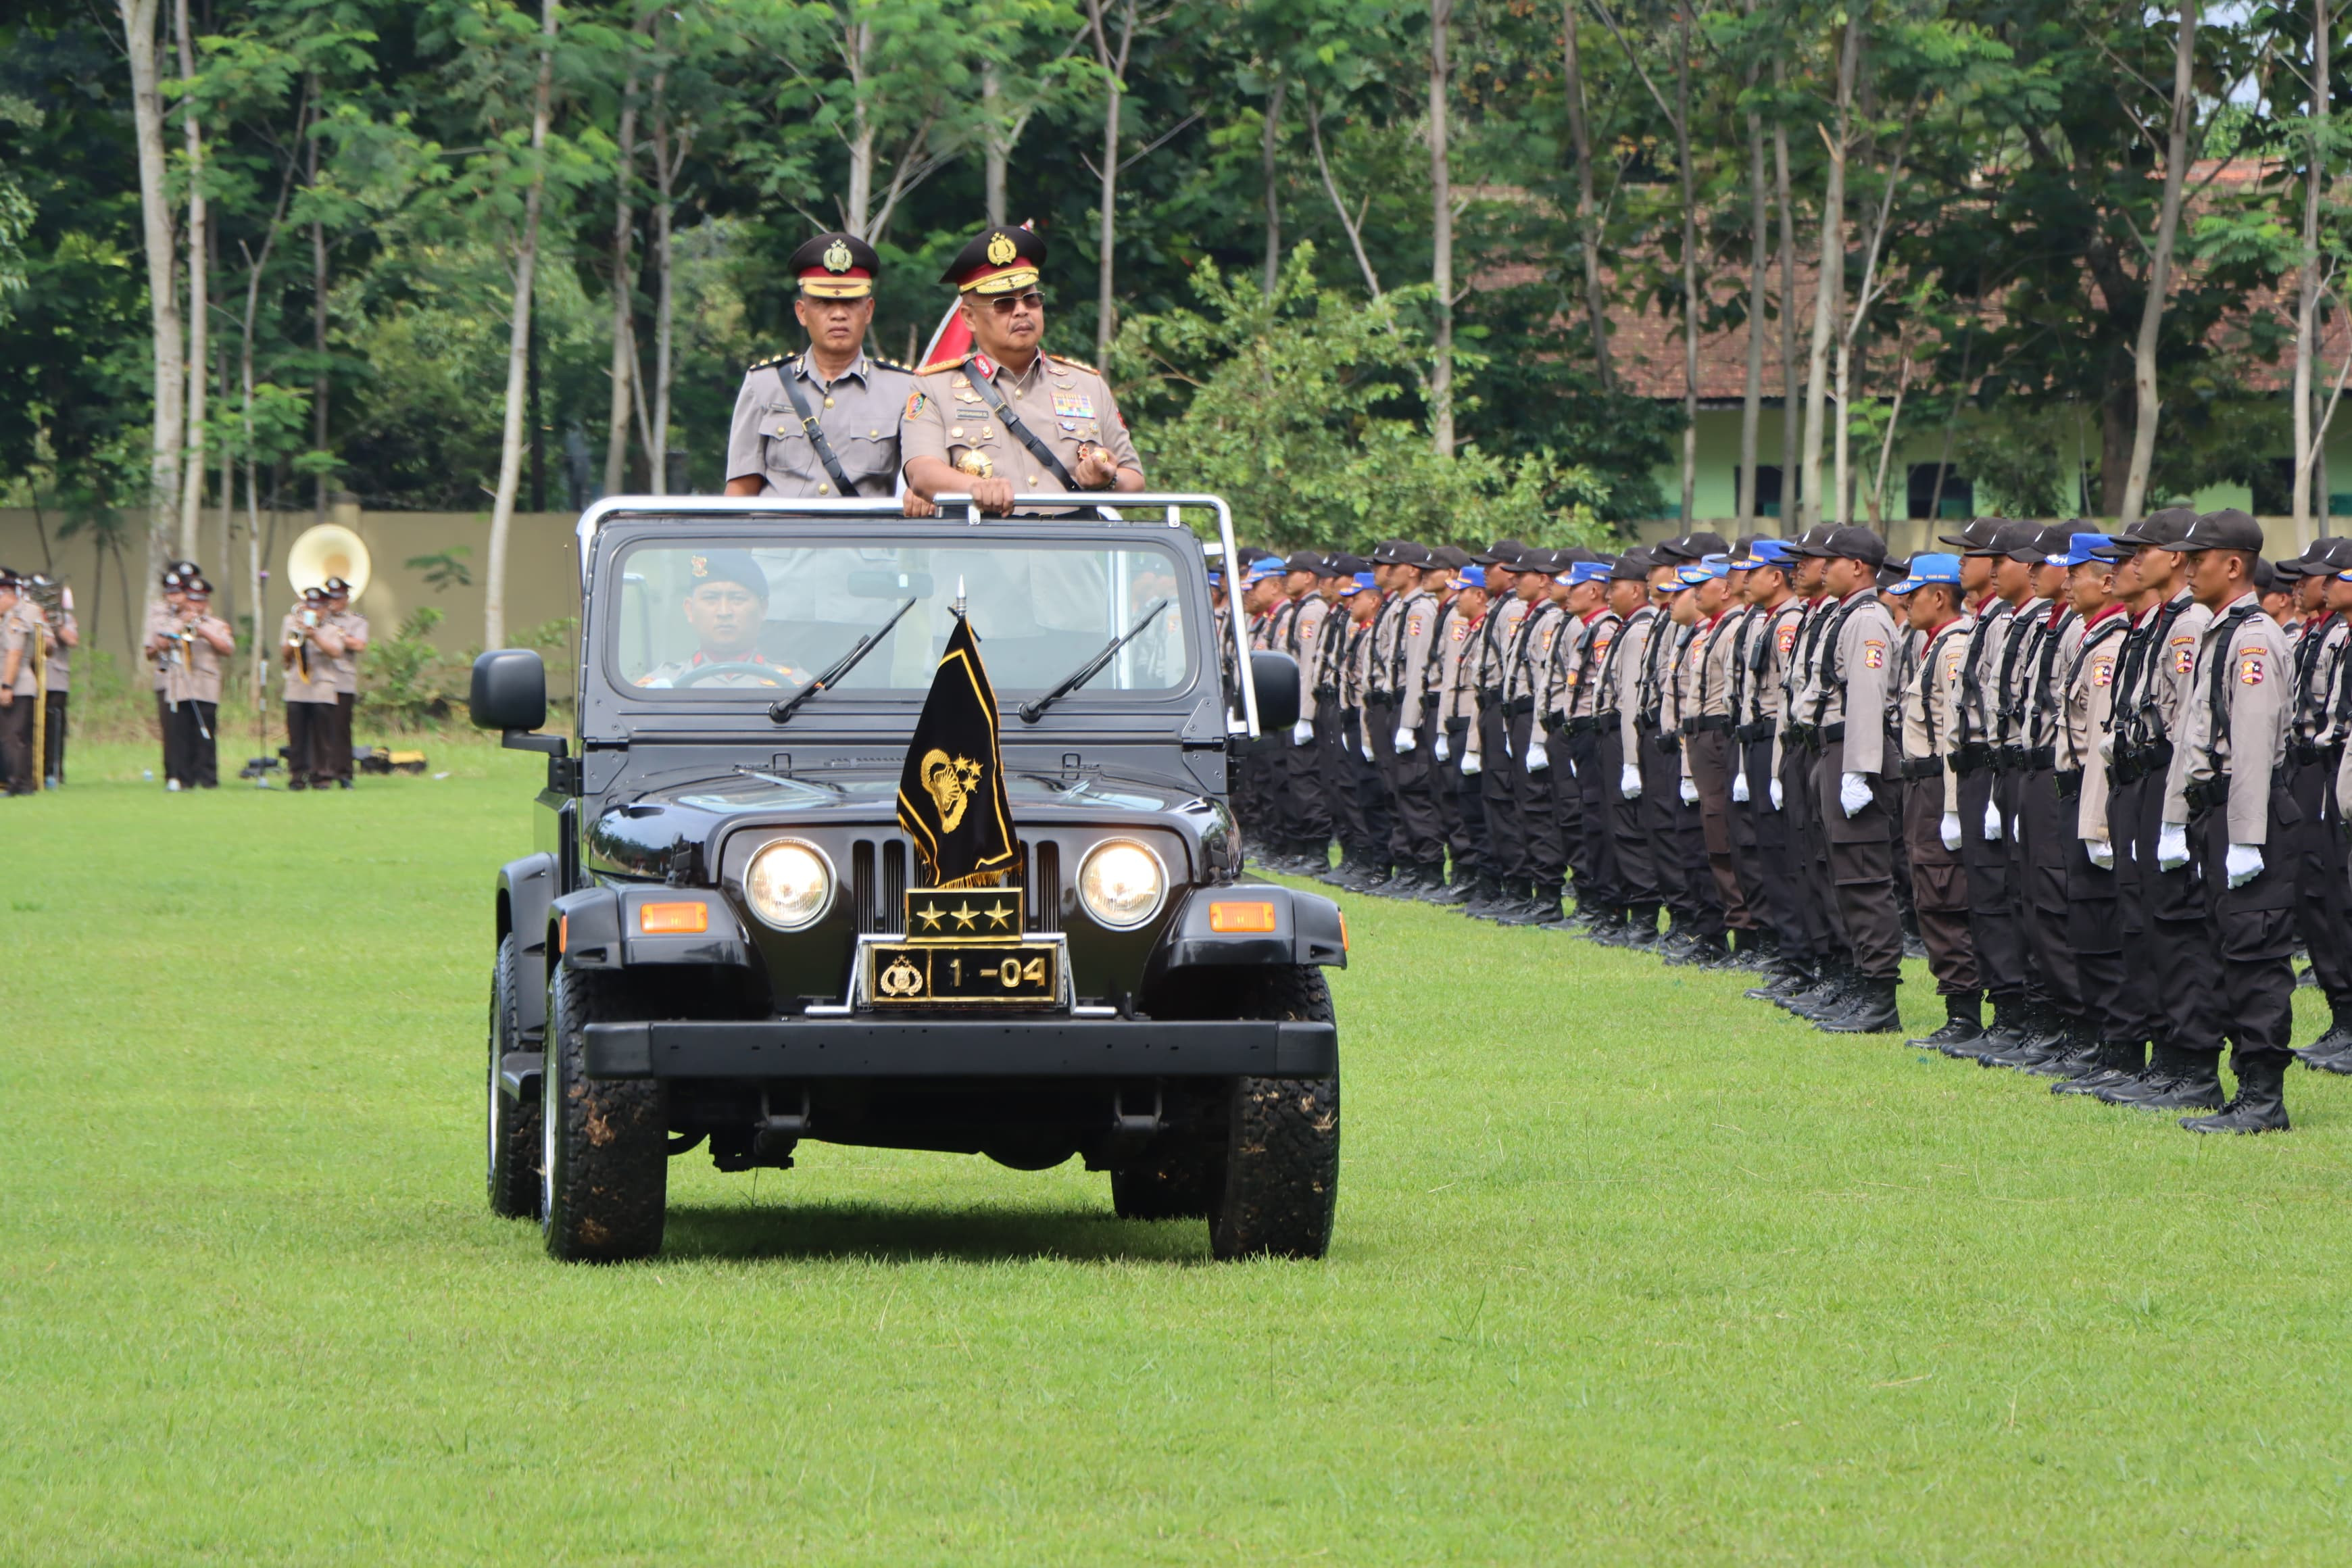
2318 728
1931 820
192 688
343 674
1763 568
1584 649
1489 754
308 643
65 636
2226 807
823 422
1011 419
1454 691
21 651
1621 740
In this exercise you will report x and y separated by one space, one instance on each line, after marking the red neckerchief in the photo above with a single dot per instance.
1984 604
2114 609
1938 631
2057 608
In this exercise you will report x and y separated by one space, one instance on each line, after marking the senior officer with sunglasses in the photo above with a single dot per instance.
1011 420
823 422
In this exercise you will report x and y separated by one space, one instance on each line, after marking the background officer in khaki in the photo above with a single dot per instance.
308 643
964 424
21 650
191 688
343 674
854 399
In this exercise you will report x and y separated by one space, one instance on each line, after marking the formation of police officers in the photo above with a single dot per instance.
2095 781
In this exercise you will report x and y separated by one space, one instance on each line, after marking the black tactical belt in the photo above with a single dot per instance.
1610 719
2133 763
1325 693
1706 722
1518 705
1833 733
2208 795
1970 756
2069 784
2311 754
2038 758
1379 699
1801 735
1585 725
1759 731
1556 726
1456 726
1922 767
2009 759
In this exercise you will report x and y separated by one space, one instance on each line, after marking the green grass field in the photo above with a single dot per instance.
1627 1270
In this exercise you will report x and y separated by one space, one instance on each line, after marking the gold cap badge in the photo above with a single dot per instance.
837 258
1001 248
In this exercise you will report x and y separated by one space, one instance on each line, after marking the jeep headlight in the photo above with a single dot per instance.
1121 883
789 884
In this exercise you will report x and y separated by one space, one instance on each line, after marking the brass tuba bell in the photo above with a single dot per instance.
327 550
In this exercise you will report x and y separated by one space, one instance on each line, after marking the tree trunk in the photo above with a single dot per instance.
1840 475
1587 243
1114 65
1440 267
200 366
861 135
625 228
666 170
2306 313
2160 266
1751 393
1783 199
170 365
1690 266
1829 285
494 575
2114 438
995 149
1271 145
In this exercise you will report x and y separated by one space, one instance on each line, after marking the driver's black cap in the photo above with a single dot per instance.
727 566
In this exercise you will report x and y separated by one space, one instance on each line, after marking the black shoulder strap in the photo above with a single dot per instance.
1021 433
2223 633
788 371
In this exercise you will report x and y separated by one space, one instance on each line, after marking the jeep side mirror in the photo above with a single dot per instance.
508 693
1275 676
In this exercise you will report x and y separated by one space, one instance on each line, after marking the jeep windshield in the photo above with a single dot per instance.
742 620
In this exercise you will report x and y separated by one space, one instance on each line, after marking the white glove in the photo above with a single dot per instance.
1739 786
2243 863
1689 792
2172 847
1302 732
1471 766
1853 793
1405 739
1992 823
1774 792
1948 830
1629 782
1539 757
1368 753
2102 852
1441 748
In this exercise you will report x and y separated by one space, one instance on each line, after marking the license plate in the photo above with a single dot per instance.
1021 973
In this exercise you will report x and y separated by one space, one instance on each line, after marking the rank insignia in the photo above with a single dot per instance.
1873 654
1073 406
2249 666
2103 671
915 401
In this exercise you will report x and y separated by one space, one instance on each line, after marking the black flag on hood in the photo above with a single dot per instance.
952 798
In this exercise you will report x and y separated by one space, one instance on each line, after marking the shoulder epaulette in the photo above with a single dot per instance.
940 369
771 361
1073 363
887 363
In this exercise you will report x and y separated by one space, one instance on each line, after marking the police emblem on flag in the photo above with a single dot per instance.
952 798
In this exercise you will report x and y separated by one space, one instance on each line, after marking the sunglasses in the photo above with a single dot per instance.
1005 304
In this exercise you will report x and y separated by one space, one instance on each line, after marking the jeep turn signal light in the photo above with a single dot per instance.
673 920
1231 918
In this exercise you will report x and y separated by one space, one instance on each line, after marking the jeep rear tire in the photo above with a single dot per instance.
1280 1185
513 1136
605 1141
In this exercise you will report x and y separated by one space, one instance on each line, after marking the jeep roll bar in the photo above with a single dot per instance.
1170 504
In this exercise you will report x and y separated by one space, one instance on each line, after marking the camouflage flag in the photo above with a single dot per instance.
951 799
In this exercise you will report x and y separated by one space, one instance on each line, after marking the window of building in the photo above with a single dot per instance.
1767 488
1957 496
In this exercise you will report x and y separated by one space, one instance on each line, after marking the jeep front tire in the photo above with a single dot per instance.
606 1140
1281 1180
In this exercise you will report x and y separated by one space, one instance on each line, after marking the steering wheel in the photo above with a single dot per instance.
770 674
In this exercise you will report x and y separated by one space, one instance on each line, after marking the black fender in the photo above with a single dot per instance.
525 888
604 928
1265 923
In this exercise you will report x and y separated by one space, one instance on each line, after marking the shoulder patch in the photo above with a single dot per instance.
2184 654
1787 637
915 401
2103 670
2251 665
1874 653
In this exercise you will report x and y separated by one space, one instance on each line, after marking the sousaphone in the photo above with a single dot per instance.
327 550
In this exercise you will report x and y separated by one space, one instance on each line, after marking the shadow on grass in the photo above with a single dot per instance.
881 1233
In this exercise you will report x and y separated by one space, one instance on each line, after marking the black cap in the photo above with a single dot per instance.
334 586
2162 530
2294 569
1251 555
835 266
1976 536
2266 578
2056 541
1346 565
1451 556
1633 566
2227 529
1851 544
1576 554
1303 561
728 566
2328 555
997 261
1692 546
1400 553
1893 571
2021 542
1502 551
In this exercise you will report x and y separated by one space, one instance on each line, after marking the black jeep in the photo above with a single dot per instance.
721 936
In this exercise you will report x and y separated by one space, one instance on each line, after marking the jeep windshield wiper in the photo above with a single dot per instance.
781 712
1032 711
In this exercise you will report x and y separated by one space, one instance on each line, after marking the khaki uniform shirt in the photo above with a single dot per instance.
2055 642
859 411
2176 664
668 675
193 672
2012 658
1931 702
1064 404
2319 662
1588 653
1457 645
1853 680
2256 695
1771 650
1981 685
1416 642
161 622
1355 683
60 661
343 669
21 634
2089 713
1621 675
319 685
1531 663
1491 671
1307 648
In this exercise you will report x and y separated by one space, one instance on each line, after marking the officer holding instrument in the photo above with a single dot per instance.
823 422
1011 420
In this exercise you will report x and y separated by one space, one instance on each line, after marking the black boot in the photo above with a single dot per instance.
2051 1040
2260 1104
2012 1026
1541 910
1641 928
1783 977
1834 995
2175 1079
1961 1024
2117 1062
2331 1052
1873 1011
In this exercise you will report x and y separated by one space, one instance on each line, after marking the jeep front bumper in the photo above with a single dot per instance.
962 1047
